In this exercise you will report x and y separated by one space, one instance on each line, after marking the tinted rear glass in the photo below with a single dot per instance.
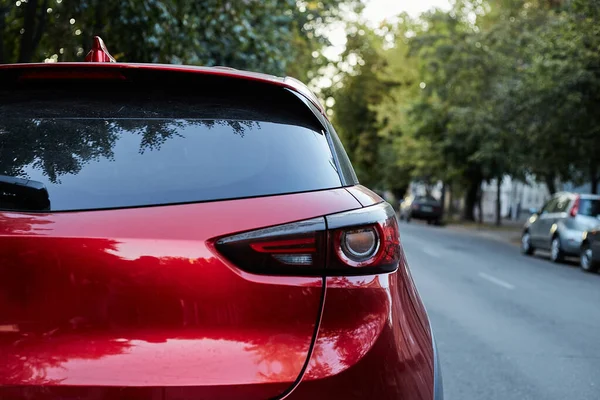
425 199
104 151
589 207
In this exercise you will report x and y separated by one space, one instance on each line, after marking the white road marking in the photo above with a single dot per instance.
431 253
497 281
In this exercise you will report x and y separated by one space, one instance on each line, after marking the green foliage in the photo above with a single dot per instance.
271 36
562 82
485 89
357 90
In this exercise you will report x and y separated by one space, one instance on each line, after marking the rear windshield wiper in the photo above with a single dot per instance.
20 194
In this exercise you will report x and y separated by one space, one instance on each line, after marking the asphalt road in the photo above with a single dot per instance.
507 326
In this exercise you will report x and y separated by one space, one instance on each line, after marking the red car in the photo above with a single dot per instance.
172 232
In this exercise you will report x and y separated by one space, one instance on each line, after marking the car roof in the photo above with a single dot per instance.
585 196
590 196
46 70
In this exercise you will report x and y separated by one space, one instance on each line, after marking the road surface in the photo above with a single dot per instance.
507 326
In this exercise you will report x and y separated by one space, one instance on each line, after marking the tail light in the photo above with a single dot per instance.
415 206
359 242
575 207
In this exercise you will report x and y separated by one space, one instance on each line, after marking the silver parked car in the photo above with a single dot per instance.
560 224
589 260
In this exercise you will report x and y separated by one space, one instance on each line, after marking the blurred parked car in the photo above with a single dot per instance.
421 207
560 224
589 259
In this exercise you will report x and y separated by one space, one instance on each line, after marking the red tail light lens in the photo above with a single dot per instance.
296 248
575 208
359 242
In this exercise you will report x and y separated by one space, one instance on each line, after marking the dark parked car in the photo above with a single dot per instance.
560 224
590 250
175 232
426 208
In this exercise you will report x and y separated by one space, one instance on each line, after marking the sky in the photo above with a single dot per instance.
377 11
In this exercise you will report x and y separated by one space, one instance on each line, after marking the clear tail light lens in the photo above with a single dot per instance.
377 221
358 242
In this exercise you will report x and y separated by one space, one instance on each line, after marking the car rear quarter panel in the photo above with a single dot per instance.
374 342
365 196
133 303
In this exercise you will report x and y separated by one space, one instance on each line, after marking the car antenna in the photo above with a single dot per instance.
99 52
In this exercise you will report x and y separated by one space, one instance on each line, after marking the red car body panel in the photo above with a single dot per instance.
380 350
137 297
137 304
364 196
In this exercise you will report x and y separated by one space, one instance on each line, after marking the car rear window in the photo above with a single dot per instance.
426 199
589 207
110 150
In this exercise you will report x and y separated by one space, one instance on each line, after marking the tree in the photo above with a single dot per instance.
563 80
358 90
270 36
410 158
452 108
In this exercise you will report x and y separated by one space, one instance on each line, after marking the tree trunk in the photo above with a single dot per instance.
399 193
30 39
594 177
443 199
498 201
450 200
26 50
3 12
550 183
479 205
471 200
41 27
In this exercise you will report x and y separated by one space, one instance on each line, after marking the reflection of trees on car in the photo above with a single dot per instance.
63 146
54 146
78 296
93 298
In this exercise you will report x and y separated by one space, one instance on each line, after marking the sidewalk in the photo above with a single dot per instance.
509 232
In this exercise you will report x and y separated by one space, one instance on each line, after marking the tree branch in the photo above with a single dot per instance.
26 50
42 17
3 12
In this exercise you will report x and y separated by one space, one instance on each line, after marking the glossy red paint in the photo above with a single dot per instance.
374 342
135 303
365 196
99 53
